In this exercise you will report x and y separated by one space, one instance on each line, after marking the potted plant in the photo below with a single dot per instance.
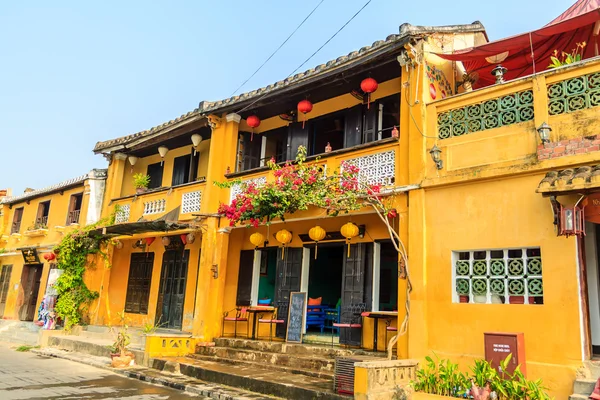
120 356
141 182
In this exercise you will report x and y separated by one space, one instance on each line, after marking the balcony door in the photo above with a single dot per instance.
171 294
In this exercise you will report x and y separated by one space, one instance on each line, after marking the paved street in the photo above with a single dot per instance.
31 376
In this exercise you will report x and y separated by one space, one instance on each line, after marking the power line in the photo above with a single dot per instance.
279 48
313 54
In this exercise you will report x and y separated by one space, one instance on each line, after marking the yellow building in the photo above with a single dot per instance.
32 224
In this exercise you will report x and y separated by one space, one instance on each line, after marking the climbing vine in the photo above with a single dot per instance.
75 254
298 186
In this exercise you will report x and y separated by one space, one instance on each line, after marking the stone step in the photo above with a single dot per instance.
578 397
268 365
307 362
584 386
20 337
253 378
94 347
135 337
317 351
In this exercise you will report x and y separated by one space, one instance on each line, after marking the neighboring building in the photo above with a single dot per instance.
32 224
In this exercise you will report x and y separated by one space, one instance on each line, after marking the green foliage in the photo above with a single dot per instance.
574 56
442 377
141 181
26 348
150 327
73 257
123 338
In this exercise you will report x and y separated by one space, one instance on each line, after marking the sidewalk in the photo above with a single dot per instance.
172 380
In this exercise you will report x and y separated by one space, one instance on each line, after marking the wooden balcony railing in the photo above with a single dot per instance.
73 217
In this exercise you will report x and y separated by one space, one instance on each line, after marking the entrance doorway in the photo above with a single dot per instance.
30 282
171 293
5 274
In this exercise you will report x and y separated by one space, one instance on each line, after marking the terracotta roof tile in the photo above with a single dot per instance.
586 177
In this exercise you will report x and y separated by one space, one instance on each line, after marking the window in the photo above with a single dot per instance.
385 276
504 276
41 220
276 146
389 115
328 129
249 150
138 285
244 288
155 171
5 282
16 225
185 169
74 208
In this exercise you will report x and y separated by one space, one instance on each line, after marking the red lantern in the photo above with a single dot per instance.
49 256
183 238
253 122
369 85
149 240
305 107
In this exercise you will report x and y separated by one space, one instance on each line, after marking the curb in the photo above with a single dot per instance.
179 382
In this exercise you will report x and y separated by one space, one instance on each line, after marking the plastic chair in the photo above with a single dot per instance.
270 321
241 315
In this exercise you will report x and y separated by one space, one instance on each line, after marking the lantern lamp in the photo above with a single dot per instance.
317 234
305 107
369 85
183 238
253 122
544 132
284 237
572 221
436 156
166 241
149 240
196 140
132 161
118 244
191 238
257 239
162 150
498 73
349 231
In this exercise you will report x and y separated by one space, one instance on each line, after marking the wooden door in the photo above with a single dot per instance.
30 282
297 136
287 280
5 274
171 293
356 290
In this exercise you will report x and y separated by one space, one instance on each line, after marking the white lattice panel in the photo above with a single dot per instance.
123 214
155 206
237 188
377 169
190 202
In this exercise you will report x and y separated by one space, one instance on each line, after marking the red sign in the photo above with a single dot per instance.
592 208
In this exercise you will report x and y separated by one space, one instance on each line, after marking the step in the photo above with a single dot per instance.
578 397
25 338
94 347
255 379
584 386
301 362
311 350
136 338
271 366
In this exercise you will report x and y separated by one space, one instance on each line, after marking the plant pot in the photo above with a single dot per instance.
520 299
121 361
463 298
127 353
141 190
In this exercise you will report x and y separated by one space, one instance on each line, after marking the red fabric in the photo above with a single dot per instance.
573 26
392 329
596 393
347 325
235 319
315 302
271 321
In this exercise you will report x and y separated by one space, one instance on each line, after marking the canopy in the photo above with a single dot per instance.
580 23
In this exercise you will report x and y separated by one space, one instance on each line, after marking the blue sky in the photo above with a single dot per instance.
73 73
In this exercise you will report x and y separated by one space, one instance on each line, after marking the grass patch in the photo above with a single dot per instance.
25 348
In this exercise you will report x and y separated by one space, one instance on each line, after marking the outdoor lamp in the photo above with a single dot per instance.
544 132
132 161
196 139
435 156
499 72
162 150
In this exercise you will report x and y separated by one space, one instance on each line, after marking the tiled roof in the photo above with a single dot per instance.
207 107
570 179
99 173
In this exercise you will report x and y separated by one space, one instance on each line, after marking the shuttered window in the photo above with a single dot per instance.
138 285
155 171
4 282
244 289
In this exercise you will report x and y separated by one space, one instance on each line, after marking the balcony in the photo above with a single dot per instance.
39 228
156 203
497 124
73 217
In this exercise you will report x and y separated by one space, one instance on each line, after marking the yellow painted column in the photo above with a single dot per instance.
114 182
97 279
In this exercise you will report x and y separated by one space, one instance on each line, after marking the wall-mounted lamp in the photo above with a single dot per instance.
435 156
162 150
196 139
499 72
132 161
544 132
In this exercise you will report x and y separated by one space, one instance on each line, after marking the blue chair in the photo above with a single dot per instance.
332 316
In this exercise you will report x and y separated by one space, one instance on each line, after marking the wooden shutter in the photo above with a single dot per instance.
138 284
5 274
181 170
251 151
156 174
353 126
194 161
370 123
244 289
287 280
297 137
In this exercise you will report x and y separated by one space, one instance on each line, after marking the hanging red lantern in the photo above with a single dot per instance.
369 85
253 122
49 256
149 241
305 107
183 238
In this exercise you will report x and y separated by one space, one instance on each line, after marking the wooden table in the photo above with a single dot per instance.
255 310
377 315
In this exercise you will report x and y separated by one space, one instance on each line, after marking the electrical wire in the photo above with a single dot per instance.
313 54
279 48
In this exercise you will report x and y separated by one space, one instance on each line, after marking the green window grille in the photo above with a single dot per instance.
493 113
574 94
503 276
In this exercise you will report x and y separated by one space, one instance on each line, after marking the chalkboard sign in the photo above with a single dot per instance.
296 312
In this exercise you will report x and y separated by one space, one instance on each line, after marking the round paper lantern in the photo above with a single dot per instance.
349 231
253 122
305 107
369 85
165 241
191 238
317 234
118 244
257 239
183 237
283 237
49 256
